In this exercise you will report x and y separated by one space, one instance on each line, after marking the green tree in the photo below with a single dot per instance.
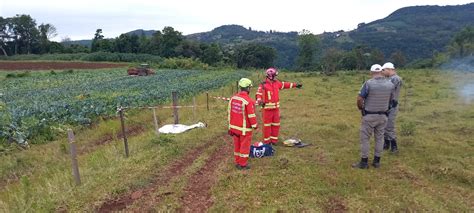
46 32
170 41
398 59
377 56
5 34
212 54
307 49
155 43
254 55
464 42
331 60
361 54
25 33
126 44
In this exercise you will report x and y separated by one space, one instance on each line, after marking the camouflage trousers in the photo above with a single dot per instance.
372 124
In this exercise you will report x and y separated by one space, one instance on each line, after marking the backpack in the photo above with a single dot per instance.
261 151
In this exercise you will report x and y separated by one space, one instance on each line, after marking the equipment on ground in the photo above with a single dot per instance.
292 142
142 70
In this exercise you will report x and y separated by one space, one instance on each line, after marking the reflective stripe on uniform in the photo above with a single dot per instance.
269 95
241 155
245 102
228 112
275 124
291 85
258 93
272 105
269 124
282 85
252 115
254 126
240 128
275 138
266 139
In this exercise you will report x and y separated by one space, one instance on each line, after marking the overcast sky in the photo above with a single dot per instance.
79 19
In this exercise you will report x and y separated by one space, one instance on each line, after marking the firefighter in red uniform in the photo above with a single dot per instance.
242 121
268 97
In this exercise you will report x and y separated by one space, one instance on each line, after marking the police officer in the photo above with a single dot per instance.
373 101
388 69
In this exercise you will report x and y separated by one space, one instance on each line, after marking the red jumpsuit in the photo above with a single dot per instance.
242 120
268 92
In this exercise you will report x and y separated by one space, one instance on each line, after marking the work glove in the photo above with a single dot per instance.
298 85
260 103
230 133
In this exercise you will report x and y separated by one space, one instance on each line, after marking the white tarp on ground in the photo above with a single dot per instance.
179 128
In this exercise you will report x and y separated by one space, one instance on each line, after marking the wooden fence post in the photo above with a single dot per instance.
207 100
155 121
194 109
175 108
75 167
122 122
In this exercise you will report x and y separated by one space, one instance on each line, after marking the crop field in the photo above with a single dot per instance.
33 103
194 171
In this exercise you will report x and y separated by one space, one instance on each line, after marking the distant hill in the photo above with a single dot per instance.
139 32
86 43
417 31
230 35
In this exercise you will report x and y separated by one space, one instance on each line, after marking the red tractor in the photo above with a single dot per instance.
142 70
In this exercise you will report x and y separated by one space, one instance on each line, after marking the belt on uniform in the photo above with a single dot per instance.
375 113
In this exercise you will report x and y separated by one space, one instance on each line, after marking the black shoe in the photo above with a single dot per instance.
386 144
363 164
238 166
394 147
376 162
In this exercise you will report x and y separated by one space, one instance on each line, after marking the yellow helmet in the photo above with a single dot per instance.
245 82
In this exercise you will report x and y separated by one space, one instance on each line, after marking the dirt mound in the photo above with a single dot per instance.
23 65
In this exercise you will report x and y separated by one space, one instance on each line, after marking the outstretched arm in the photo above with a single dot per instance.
289 85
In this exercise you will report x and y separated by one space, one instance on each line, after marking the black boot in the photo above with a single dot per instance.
394 147
376 163
386 144
363 164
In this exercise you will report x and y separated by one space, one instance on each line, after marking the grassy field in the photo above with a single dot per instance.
433 172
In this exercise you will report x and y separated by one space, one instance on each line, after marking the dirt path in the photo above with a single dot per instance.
176 169
29 65
197 194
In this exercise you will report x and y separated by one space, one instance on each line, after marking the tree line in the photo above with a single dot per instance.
21 35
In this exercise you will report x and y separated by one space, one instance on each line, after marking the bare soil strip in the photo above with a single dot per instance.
163 178
23 65
197 194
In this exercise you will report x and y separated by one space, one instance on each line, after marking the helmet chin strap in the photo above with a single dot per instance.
272 77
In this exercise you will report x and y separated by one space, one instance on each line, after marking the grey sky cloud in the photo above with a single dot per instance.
80 19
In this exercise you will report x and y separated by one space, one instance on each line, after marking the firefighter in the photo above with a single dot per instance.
373 101
268 98
389 136
242 121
